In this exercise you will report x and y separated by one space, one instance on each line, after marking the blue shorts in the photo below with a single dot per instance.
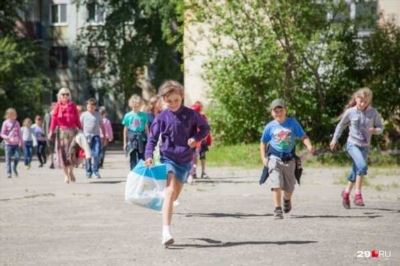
181 171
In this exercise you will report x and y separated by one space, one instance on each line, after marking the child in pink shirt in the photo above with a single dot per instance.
11 134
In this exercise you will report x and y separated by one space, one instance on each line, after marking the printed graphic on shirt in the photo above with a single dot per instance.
282 137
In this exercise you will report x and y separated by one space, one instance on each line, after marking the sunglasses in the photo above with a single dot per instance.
65 94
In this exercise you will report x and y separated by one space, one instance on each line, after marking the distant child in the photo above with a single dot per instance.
363 121
11 134
41 139
277 153
92 125
28 137
154 108
108 135
135 131
181 128
202 146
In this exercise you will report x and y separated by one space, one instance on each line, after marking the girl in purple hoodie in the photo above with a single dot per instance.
179 129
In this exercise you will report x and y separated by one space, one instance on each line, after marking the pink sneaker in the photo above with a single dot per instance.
346 199
358 200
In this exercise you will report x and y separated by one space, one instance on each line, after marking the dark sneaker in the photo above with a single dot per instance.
278 214
204 175
51 166
287 205
358 200
346 199
15 172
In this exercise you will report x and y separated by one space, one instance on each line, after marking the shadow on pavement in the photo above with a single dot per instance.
223 215
378 209
334 216
211 243
219 181
106 182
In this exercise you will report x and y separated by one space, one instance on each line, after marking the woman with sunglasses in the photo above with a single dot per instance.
65 119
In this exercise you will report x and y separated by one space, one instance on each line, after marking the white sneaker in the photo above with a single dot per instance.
176 203
167 240
190 180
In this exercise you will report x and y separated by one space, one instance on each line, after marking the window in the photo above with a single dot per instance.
96 57
366 14
96 13
59 57
58 14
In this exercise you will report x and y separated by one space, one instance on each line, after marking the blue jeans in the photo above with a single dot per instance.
92 164
11 150
28 148
359 155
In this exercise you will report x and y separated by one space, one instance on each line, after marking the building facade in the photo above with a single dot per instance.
197 43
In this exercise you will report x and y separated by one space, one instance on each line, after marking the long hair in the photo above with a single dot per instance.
363 92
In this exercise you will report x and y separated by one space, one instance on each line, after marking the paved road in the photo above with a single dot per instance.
224 220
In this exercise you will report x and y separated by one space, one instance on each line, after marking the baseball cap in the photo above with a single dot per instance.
277 103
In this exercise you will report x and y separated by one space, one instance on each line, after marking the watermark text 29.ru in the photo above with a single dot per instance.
373 254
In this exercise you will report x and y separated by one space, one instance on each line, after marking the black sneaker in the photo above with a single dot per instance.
278 214
287 205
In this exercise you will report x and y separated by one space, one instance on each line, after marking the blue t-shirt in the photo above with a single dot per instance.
282 136
135 122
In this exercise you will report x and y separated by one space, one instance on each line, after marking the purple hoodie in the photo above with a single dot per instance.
175 129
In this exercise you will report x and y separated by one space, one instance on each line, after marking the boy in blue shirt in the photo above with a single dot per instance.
277 153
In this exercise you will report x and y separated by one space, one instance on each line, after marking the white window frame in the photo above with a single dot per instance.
58 4
96 21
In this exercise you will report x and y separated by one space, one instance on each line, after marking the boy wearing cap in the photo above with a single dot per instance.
277 153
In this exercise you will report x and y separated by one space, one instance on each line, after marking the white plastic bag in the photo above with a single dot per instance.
145 186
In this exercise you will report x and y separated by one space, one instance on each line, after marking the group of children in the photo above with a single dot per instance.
137 125
95 126
26 137
178 131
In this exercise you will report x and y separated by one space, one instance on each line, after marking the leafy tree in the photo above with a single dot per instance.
306 52
22 69
382 56
138 34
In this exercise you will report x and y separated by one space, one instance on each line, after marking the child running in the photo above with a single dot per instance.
180 128
28 138
135 131
11 134
41 139
277 153
363 121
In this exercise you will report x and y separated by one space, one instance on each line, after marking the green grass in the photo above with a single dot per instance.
248 155
242 155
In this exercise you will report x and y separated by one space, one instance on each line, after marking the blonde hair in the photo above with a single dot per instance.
135 99
8 113
63 90
171 87
26 122
363 92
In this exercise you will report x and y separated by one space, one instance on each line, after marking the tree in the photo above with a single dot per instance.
22 70
139 34
306 52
